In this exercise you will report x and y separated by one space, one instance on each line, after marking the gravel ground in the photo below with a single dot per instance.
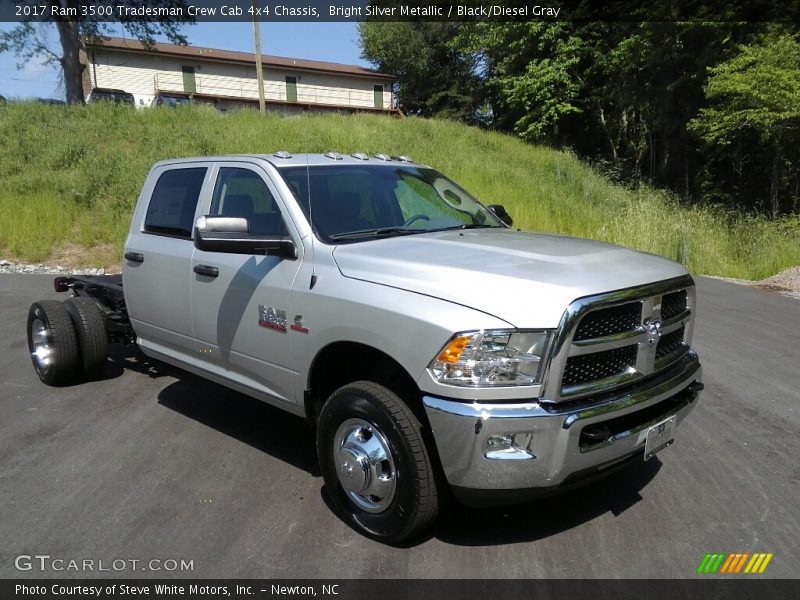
785 283
788 279
6 266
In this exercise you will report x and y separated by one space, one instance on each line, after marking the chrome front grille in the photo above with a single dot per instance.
670 343
673 304
610 340
599 365
610 321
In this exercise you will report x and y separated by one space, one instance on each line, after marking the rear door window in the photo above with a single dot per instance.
174 201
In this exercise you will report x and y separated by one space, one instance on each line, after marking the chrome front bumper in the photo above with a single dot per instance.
556 443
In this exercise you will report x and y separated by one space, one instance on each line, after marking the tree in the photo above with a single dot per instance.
704 107
752 122
528 70
435 78
73 33
643 84
618 93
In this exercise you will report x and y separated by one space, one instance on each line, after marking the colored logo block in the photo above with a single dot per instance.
735 563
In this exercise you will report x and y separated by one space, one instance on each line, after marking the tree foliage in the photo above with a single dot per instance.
619 93
27 41
750 128
436 79
528 72
708 109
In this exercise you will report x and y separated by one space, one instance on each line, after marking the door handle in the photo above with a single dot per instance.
206 270
134 257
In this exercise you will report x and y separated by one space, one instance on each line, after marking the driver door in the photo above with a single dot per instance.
241 303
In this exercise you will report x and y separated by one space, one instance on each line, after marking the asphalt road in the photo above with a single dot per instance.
153 463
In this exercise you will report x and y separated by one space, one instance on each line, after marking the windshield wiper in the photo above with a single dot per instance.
375 233
464 226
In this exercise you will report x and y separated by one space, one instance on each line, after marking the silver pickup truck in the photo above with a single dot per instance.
433 347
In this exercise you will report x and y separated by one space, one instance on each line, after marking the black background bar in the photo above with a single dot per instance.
735 587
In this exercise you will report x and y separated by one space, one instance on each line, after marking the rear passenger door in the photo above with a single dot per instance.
158 253
241 303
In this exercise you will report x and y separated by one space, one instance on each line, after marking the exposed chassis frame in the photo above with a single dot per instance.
107 292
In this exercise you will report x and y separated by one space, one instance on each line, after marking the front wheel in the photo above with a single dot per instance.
375 464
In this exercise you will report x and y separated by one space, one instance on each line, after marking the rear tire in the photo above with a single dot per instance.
52 342
90 328
375 464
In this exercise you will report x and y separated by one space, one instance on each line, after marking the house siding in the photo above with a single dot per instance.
145 75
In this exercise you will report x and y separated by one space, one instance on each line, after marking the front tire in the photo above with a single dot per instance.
52 342
376 467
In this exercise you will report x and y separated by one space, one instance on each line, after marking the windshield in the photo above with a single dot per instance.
357 202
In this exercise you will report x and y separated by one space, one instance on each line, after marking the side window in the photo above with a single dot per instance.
173 203
242 193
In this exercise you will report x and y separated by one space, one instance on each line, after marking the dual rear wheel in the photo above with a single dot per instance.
67 340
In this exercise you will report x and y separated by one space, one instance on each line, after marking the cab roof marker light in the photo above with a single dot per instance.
333 155
282 154
360 156
383 157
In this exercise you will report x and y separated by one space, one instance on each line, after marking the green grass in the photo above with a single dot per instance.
72 175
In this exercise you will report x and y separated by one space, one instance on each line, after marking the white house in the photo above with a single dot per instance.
226 78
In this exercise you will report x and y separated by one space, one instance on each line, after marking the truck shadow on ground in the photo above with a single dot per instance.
255 423
461 525
130 358
267 429
464 526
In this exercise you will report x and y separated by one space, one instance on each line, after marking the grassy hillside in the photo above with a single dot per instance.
70 175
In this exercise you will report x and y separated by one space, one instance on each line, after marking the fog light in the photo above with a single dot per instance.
500 442
509 446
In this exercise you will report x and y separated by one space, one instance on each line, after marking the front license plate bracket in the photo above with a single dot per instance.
659 436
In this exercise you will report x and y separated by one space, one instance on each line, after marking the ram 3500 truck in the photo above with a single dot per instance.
432 347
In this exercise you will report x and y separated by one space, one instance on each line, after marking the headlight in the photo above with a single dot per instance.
490 358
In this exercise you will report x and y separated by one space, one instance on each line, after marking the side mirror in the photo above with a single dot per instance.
232 235
501 213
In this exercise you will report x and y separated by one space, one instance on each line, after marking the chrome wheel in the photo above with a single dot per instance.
364 465
42 350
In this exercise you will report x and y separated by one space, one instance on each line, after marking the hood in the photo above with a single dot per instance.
526 279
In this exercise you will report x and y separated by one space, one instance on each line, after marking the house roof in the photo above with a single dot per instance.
200 53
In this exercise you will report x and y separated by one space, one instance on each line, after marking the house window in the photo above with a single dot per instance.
291 89
378 94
